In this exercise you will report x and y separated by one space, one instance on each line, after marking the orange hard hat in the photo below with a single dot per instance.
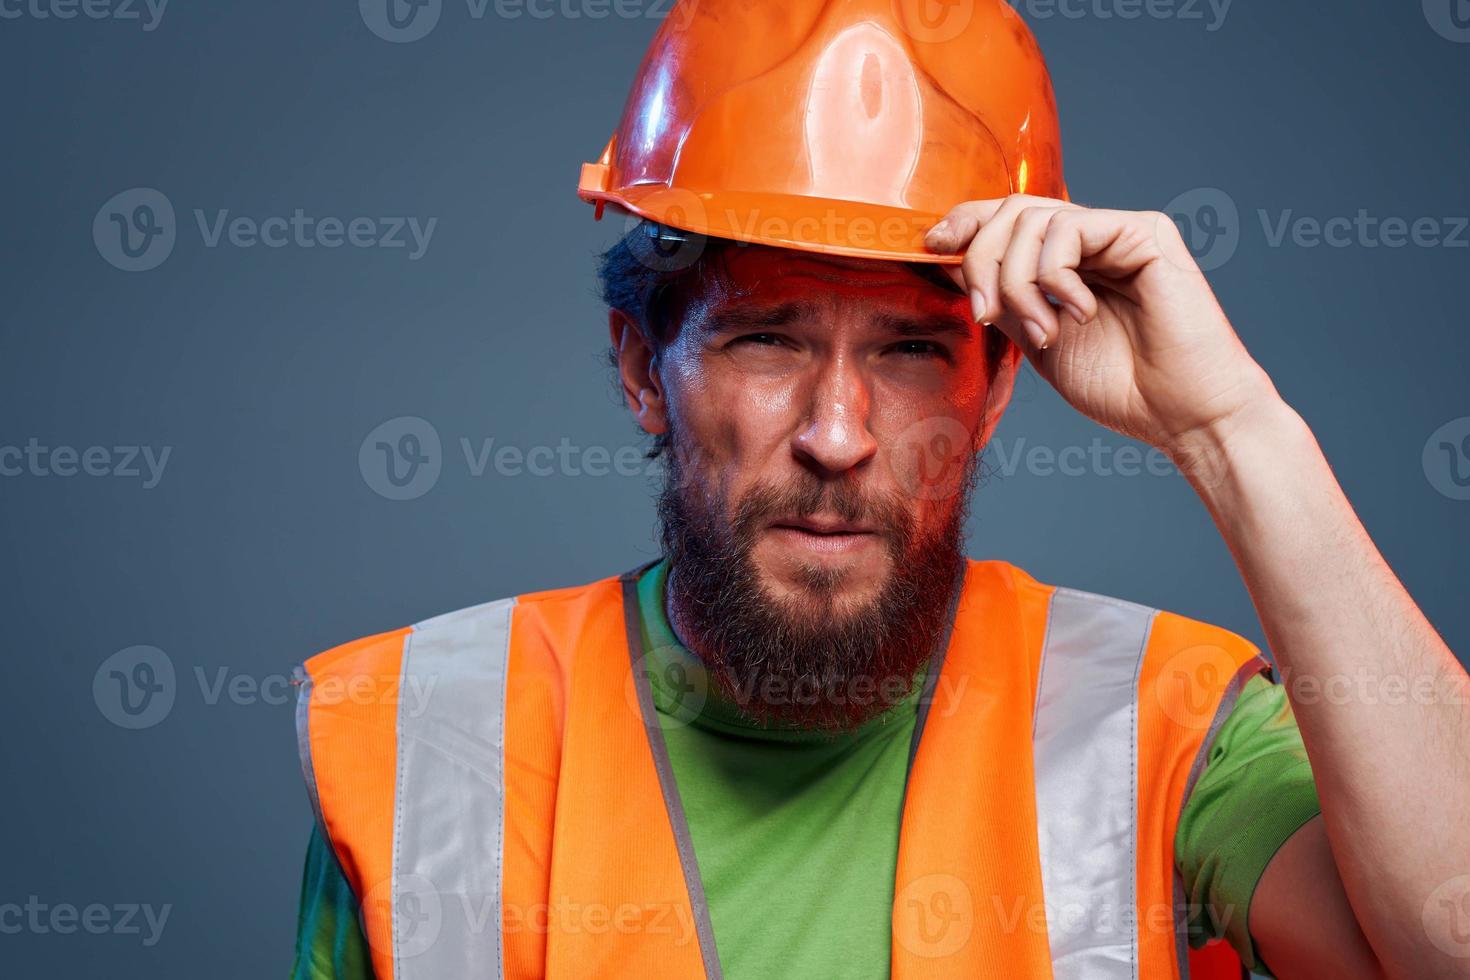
840 126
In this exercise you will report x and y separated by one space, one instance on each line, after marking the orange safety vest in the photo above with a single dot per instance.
495 786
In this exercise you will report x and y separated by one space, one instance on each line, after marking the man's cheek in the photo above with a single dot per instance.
928 456
754 437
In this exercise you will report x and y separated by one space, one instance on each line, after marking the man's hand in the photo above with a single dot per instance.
1136 340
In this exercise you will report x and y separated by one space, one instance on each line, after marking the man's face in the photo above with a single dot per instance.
823 414
852 372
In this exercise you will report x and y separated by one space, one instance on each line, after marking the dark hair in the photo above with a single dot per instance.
646 269
651 266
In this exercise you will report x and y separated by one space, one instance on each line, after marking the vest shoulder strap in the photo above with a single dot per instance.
1073 725
1127 703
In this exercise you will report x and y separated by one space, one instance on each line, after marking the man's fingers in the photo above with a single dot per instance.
954 231
1011 262
983 257
1061 254
1018 280
953 234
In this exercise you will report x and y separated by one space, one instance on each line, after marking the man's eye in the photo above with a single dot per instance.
919 348
760 339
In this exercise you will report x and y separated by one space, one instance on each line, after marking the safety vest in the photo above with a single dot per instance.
495 786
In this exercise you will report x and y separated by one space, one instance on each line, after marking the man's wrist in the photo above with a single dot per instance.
1264 436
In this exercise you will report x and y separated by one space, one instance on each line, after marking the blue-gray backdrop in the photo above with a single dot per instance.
193 496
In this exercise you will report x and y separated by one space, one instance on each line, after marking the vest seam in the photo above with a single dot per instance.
1181 943
663 768
1133 789
1041 668
500 798
398 779
1228 698
308 771
937 660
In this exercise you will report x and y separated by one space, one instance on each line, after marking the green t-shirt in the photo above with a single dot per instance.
796 833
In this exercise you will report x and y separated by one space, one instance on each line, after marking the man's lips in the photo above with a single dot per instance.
821 525
826 536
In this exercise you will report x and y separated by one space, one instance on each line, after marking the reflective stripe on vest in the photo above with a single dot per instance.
1085 746
1059 733
450 799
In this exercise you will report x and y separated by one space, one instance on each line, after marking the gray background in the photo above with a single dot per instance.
264 369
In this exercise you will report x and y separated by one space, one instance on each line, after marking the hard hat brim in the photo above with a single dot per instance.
809 224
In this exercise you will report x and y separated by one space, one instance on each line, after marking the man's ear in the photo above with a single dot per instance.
1001 388
638 370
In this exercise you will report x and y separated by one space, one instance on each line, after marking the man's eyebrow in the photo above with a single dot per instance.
754 319
742 319
936 325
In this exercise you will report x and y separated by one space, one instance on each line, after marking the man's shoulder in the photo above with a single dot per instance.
383 652
1174 627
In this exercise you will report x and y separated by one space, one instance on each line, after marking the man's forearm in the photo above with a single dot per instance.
1381 701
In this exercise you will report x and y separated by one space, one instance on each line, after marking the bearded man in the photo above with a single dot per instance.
814 739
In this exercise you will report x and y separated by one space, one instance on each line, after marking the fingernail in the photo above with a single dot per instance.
1034 333
939 231
977 305
1074 313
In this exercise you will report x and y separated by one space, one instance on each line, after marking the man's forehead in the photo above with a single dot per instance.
756 317
757 260
769 286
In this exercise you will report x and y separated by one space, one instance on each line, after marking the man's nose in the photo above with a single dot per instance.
834 435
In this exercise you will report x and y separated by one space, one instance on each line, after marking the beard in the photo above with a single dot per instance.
818 660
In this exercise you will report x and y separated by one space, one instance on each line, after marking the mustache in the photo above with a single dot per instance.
808 494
